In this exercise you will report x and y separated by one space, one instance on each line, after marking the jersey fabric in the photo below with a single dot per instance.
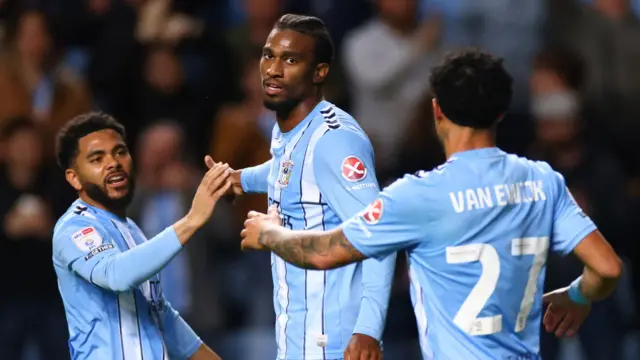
477 230
108 318
322 173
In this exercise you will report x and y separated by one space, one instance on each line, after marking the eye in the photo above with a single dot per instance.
267 56
290 61
95 160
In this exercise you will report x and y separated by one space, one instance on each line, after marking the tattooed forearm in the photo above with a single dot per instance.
311 249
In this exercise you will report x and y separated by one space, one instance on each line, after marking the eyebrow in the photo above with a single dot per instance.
287 53
102 151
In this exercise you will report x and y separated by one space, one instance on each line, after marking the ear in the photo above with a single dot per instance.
72 178
321 73
438 115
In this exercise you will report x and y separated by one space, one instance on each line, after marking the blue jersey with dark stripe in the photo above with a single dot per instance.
321 173
137 324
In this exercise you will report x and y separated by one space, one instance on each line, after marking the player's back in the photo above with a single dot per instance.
477 276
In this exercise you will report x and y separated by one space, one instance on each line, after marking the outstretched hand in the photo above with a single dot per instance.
211 188
254 227
235 185
563 316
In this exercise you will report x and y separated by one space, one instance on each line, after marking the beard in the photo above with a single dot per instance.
281 106
100 195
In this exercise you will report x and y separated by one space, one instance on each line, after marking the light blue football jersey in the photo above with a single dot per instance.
477 231
108 317
322 173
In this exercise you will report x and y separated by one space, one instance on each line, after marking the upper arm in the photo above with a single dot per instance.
570 224
396 220
344 170
595 253
81 244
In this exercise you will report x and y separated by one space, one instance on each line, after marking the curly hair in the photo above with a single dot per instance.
472 88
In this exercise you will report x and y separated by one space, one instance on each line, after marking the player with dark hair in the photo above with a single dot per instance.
321 173
107 270
477 230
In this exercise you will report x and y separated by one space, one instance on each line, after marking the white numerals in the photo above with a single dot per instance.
467 317
538 247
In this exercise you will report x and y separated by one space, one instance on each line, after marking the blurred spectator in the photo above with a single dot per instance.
158 23
242 138
104 30
388 62
242 134
166 182
30 307
259 17
164 93
606 35
32 82
595 179
507 28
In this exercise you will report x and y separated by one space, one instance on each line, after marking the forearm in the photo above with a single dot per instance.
254 179
129 269
185 228
377 279
595 287
320 250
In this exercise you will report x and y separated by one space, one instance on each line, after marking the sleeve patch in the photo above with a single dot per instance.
353 169
98 250
87 239
373 213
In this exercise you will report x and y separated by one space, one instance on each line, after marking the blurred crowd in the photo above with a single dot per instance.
182 75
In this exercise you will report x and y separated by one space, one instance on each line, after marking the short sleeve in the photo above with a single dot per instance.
396 220
344 171
570 224
80 244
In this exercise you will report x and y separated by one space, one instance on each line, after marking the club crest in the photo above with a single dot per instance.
286 168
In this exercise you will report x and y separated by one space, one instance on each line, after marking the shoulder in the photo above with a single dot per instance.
76 225
339 126
136 228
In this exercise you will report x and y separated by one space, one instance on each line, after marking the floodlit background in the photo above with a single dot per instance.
182 75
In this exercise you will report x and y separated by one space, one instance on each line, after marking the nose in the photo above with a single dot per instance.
112 163
275 69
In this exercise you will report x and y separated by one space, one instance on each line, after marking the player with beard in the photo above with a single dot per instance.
320 174
477 231
107 270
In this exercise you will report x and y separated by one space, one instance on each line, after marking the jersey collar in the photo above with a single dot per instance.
477 153
288 135
97 210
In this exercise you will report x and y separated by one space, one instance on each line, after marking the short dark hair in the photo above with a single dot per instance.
79 127
16 124
567 64
314 27
472 88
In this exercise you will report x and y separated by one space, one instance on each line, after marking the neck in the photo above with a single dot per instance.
462 139
287 120
121 213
